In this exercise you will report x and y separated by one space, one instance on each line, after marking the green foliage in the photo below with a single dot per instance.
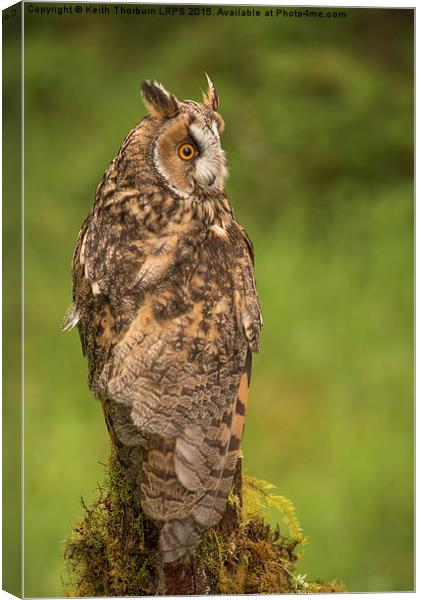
257 495
109 551
319 140
112 550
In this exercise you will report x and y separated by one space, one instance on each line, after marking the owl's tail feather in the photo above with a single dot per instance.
180 537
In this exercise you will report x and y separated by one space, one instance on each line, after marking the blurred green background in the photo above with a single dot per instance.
319 138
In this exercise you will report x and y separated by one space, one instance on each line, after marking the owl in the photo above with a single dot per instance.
165 301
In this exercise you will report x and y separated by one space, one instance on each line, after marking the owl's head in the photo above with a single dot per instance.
186 148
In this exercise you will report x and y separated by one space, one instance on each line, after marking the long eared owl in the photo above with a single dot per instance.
165 301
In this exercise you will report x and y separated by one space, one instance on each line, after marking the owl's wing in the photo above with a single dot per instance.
182 535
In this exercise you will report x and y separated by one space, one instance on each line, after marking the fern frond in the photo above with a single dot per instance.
258 497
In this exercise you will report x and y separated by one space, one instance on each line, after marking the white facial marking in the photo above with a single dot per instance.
95 288
203 136
210 164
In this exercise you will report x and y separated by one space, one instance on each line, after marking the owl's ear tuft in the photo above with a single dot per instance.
158 101
210 98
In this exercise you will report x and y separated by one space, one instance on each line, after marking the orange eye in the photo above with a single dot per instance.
186 151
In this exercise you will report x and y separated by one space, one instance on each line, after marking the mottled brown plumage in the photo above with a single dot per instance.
166 305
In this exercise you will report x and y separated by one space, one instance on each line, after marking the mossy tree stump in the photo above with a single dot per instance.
113 549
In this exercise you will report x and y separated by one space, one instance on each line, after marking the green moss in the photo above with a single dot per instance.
113 549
